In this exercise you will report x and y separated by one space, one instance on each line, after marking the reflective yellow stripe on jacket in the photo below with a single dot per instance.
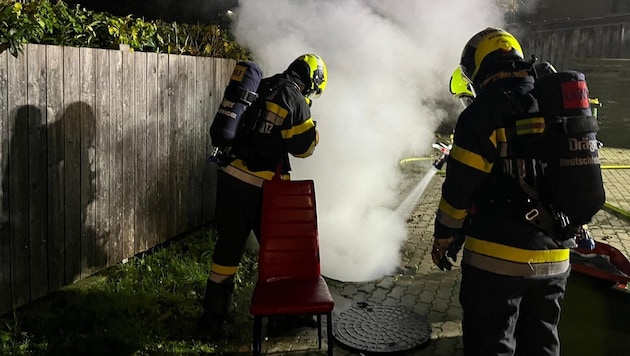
471 159
448 213
300 129
449 216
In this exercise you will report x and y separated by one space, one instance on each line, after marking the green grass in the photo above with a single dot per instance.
147 306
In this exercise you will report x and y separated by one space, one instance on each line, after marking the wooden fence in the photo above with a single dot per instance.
103 155
562 42
600 48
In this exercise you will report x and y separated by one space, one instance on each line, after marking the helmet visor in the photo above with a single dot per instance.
460 84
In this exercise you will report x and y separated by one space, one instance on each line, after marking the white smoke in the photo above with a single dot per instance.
389 64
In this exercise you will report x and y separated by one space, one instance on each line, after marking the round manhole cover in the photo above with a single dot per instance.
381 328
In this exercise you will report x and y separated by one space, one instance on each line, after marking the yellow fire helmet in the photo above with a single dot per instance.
595 105
485 49
312 70
461 88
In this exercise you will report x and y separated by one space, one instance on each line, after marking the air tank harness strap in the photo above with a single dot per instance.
529 205
248 97
535 212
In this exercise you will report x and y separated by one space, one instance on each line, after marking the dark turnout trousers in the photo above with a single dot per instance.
505 315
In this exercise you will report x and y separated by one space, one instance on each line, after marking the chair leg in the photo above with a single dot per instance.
319 330
257 346
329 333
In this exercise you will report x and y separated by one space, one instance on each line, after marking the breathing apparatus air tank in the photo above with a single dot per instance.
238 96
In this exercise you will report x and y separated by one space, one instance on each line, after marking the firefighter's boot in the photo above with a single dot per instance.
217 306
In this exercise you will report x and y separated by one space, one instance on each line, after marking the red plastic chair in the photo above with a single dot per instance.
289 279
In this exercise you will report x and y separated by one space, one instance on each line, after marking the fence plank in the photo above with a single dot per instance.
18 180
593 48
87 156
182 146
72 126
199 150
151 151
191 144
164 208
37 169
174 146
56 169
140 139
614 38
128 157
5 240
116 236
205 68
102 121
625 41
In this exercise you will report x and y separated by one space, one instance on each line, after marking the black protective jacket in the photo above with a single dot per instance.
482 202
284 127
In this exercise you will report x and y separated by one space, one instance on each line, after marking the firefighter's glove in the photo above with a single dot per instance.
439 253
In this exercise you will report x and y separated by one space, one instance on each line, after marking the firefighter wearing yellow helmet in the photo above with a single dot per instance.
513 274
461 88
283 127
313 74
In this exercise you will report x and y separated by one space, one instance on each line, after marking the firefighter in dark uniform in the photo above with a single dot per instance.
286 128
513 274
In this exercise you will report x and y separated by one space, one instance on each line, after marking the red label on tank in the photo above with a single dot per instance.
575 95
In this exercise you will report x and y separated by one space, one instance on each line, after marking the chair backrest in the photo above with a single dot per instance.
289 245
